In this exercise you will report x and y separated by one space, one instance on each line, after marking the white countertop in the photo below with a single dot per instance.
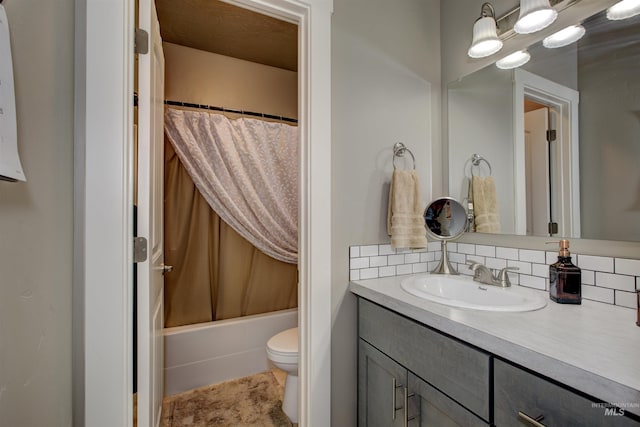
592 347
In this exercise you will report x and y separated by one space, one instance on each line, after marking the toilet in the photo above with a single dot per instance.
282 350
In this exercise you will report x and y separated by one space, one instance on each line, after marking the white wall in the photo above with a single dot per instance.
385 88
36 222
476 104
610 137
557 65
201 77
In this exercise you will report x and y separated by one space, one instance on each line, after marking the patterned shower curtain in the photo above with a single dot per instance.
231 203
247 170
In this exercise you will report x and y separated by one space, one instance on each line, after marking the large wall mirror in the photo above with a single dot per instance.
561 134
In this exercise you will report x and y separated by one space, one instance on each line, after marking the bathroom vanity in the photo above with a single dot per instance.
422 363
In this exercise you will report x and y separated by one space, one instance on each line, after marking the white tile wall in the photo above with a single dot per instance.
604 279
616 281
627 266
596 263
483 250
597 294
626 299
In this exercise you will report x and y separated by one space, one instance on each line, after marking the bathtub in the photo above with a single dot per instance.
209 353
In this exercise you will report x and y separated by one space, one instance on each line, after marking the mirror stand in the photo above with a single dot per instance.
446 220
444 267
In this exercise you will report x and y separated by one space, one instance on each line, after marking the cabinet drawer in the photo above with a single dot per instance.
456 369
516 390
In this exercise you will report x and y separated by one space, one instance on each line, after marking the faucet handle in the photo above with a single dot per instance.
474 265
503 277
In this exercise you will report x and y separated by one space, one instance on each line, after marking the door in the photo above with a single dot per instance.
381 386
150 210
537 171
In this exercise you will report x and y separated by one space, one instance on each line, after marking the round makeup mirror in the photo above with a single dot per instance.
446 220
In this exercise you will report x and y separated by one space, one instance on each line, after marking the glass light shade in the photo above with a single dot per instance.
623 10
485 38
514 60
534 16
564 37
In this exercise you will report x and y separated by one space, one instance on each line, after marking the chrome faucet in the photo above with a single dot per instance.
483 275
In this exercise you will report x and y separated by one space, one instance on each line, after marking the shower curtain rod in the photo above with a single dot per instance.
229 110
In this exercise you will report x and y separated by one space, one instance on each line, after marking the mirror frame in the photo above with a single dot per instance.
609 248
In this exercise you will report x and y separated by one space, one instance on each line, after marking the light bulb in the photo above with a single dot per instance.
485 38
514 60
564 37
534 16
623 10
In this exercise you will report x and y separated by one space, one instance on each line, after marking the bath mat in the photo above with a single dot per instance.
250 401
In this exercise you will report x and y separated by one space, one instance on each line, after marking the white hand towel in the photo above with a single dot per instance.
405 221
487 218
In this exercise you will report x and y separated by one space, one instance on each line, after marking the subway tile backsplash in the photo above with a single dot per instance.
604 279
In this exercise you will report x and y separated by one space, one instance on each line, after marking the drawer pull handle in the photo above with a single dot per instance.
533 421
393 397
406 407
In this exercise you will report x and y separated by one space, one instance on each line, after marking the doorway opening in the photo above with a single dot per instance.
104 214
547 187
219 59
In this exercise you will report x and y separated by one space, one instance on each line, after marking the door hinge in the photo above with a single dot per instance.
551 135
141 41
553 228
139 249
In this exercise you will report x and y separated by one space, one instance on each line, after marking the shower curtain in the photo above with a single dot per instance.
247 170
218 273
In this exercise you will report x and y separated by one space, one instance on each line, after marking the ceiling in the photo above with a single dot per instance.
221 28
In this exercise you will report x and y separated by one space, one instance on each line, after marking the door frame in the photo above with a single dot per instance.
103 214
565 100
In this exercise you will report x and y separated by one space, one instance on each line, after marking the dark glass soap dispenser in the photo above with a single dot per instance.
565 279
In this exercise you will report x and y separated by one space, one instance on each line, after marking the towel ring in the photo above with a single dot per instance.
398 151
475 161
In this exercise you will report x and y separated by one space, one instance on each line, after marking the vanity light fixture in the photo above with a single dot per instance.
623 9
535 15
564 37
515 60
485 34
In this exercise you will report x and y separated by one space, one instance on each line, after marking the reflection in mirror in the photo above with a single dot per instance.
446 220
562 135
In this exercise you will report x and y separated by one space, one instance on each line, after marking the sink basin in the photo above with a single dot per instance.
464 292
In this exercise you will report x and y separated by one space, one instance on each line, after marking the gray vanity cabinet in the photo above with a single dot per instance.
390 395
446 381
408 371
520 395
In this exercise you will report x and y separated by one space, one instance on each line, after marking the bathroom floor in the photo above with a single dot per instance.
250 401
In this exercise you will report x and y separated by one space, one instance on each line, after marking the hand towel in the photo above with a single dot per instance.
405 222
487 218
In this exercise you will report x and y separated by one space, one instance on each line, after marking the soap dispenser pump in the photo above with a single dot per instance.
565 279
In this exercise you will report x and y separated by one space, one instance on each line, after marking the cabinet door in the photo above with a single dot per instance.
519 394
428 407
381 385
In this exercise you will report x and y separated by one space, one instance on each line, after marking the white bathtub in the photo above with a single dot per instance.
209 353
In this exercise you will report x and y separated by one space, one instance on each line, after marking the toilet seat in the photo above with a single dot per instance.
283 347
282 351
